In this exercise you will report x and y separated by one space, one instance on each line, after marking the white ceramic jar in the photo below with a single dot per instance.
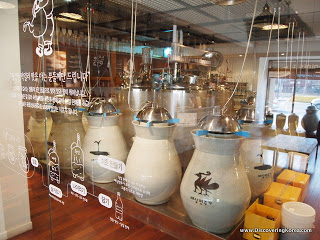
215 190
64 131
103 137
153 163
260 175
38 130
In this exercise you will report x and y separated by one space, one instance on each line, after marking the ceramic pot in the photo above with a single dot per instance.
215 189
38 133
260 175
153 162
310 120
293 121
280 120
64 131
103 137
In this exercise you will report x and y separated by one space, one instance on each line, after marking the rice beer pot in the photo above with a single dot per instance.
260 175
103 137
64 131
153 163
215 190
38 131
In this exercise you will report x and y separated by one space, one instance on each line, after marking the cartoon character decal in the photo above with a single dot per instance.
54 168
42 12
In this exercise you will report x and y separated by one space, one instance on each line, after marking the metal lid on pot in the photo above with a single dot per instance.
152 112
311 108
251 100
145 104
246 115
219 124
100 106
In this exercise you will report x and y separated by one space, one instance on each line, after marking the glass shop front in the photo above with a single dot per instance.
171 119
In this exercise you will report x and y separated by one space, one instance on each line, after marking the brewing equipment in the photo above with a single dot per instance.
215 190
153 162
38 130
65 128
103 137
260 175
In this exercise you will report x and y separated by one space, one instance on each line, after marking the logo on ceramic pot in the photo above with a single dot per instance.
203 185
97 153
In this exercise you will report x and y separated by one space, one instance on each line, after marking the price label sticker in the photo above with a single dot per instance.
55 191
79 188
105 201
111 164
187 119
34 162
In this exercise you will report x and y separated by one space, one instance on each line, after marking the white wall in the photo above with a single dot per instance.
14 205
3 233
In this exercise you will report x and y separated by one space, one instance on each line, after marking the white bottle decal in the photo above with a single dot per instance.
42 8
23 159
77 159
2 153
11 155
119 208
54 168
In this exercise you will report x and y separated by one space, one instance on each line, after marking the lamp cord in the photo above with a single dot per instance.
244 60
132 45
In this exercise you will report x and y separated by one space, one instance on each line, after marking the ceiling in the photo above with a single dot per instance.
201 21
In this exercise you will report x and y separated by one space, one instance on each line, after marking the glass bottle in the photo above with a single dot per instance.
92 41
96 42
101 43
85 40
74 37
119 207
79 39
68 37
114 44
61 37
107 43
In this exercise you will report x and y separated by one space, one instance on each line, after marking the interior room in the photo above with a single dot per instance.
171 119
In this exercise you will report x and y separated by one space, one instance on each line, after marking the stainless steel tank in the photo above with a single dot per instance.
138 96
222 95
190 106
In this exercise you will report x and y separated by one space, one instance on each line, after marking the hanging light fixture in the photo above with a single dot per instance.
69 13
227 2
264 20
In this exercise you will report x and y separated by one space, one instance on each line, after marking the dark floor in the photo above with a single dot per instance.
79 220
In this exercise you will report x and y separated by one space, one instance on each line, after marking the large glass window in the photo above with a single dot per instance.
137 119
294 87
